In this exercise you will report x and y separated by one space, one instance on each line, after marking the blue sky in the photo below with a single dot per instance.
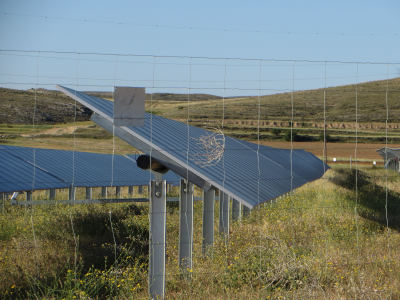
294 30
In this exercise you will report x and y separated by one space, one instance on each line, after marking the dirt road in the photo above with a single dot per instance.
338 150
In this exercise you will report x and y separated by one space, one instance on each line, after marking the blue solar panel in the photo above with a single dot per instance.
250 176
24 169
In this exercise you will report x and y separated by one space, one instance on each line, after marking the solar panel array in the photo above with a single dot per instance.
247 172
26 169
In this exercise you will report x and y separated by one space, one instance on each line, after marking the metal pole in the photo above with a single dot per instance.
89 193
246 211
158 200
208 219
72 190
118 191
130 190
236 210
186 225
29 196
52 194
104 192
224 214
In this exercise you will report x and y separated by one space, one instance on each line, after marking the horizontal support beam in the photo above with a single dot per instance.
95 201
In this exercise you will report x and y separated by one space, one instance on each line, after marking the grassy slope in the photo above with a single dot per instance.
16 105
308 105
310 245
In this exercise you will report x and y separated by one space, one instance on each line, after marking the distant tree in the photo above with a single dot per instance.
276 131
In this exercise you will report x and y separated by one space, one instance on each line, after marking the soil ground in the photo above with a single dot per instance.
342 151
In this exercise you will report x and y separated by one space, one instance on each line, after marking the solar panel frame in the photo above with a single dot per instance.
236 174
25 169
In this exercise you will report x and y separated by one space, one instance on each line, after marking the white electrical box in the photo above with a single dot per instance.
129 106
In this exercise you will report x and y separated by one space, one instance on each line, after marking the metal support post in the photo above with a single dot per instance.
29 196
3 199
236 210
52 194
224 214
208 219
158 200
186 225
130 190
72 191
104 192
118 191
246 211
89 193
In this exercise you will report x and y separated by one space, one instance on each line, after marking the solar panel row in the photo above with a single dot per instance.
247 172
25 169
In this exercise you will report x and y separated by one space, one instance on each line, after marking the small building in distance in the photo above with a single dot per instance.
390 157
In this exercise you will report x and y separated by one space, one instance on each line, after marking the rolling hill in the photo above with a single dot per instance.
17 106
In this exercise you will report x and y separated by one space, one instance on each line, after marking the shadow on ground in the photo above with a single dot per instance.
371 197
96 240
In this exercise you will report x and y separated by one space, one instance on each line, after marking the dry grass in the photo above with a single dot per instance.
321 242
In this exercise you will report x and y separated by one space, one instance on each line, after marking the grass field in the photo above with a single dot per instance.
85 136
330 239
322 242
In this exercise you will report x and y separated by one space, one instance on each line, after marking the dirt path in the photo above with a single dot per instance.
57 131
342 150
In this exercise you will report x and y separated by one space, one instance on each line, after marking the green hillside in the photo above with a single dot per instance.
308 105
16 106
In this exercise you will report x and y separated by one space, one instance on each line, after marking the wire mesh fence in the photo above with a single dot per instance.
334 237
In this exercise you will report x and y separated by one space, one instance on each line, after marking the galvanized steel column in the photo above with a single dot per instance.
208 219
89 193
246 211
72 191
130 190
158 200
52 194
118 191
29 196
186 225
223 214
104 192
236 210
